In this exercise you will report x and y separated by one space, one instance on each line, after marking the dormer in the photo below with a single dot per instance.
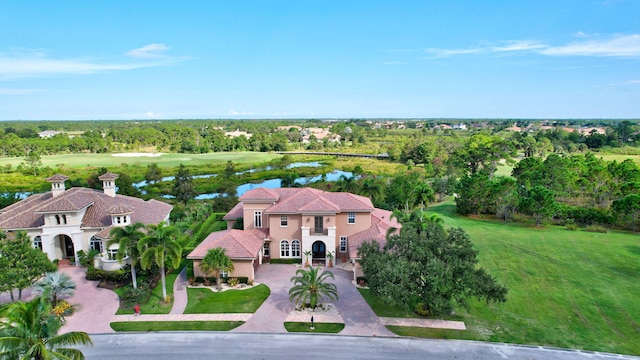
57 184
109 183
120 214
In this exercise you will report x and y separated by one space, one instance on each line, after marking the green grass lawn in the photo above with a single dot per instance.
165 160
331 328
176 325
205 301
571 289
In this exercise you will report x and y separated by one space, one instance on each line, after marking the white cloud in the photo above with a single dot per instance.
618 46
394 63
239 113
37 64
628 82
18 91
151 115
592 45
151 51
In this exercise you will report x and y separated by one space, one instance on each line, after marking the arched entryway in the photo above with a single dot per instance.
66 244
318 250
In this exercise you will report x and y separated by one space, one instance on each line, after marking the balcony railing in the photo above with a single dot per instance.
318 231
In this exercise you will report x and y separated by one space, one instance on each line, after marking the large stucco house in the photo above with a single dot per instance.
63 221
284 223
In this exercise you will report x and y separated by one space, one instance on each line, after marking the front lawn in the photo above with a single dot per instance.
176 325
330 328
205 301
383 310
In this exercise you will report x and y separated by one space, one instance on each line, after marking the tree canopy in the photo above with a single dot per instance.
428 270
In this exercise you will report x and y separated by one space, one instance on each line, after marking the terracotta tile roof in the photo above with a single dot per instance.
120 209
237 244
235 213
297 200
108 176
28 213
260 194
380 225
57 178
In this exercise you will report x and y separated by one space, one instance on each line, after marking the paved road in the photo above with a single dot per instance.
219 345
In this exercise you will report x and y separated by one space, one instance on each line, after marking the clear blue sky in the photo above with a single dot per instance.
330 59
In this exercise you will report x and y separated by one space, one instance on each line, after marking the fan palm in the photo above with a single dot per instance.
309 286
54 285
127 238
216 261
161 248
28 330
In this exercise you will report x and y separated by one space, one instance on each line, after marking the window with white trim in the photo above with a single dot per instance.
284 220
37 242
95 244
295 248
266 249
351 218
112 254
343 244
257 219
284 248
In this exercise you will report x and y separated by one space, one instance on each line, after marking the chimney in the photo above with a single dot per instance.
109 183
57 184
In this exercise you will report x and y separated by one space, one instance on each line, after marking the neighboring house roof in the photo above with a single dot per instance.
237 244
260 194
380 225
29 213
235 213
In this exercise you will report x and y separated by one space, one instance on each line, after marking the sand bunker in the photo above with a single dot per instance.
138 154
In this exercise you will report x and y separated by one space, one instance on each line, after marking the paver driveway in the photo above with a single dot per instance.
358 317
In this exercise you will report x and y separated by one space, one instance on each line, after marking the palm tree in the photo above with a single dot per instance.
347 184
127 238
309 286
54 285
28 330
422 195
161 248
371 188
216 261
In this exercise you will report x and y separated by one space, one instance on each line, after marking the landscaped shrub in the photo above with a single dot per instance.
572 227
585 216
86 258
596 228
116 277
233 282
131 296
285 261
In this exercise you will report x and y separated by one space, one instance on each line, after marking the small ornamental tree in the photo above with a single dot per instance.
427 269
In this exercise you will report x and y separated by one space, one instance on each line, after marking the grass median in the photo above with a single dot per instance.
305 327
205 301
175 325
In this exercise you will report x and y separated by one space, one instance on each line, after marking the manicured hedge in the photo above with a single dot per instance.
285 261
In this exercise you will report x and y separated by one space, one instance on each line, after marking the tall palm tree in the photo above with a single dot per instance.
127 238
216 261
54 285
161 248
309 286
28 330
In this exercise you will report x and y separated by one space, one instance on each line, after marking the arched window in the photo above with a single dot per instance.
295 248
284 248
57 219
37 242
64 219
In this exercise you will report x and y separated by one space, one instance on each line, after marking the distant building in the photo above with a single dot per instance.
586 131
237 133
49 133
